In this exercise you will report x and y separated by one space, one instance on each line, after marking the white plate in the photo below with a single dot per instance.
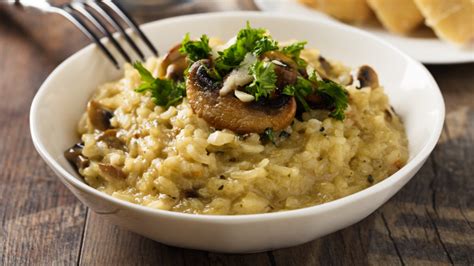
423 46
59 103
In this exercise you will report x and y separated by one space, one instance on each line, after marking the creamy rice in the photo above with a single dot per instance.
173 160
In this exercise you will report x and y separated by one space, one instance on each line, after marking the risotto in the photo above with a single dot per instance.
177 157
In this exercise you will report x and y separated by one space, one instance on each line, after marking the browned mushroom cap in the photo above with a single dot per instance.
98 116
75 157
173 65
367 77
231 113
286 72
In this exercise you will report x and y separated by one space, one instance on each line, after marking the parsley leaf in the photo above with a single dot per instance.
337 95
300 90
145 75
264 79
332 93
164 92
294 51
246 42
289 90
195 50
264 45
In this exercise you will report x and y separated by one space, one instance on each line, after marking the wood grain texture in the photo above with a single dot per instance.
42 223
429 222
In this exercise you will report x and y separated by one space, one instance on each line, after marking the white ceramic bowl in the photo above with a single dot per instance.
413 92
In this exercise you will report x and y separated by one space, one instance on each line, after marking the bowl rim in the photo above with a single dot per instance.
417 160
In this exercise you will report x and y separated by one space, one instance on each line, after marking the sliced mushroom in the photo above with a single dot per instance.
75 157
347 79
173 65
98 116
325 66
367 77
111 172
110 138
286 70
231 113
316 101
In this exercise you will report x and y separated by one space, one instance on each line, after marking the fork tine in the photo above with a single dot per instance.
111 20
69 14
128 19
79 7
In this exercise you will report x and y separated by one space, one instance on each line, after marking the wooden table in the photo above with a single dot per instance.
430 221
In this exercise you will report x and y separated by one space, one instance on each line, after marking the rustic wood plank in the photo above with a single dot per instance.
105 243
367 242
452 190
42 222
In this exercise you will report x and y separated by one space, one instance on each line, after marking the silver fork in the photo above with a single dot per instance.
78 11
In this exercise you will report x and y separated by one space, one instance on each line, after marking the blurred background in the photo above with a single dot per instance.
46 31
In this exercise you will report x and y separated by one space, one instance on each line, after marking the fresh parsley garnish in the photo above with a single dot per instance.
195 50
264 45
300 90
254 41
331 92
246 42
264 79
294 51
164 92
336 95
